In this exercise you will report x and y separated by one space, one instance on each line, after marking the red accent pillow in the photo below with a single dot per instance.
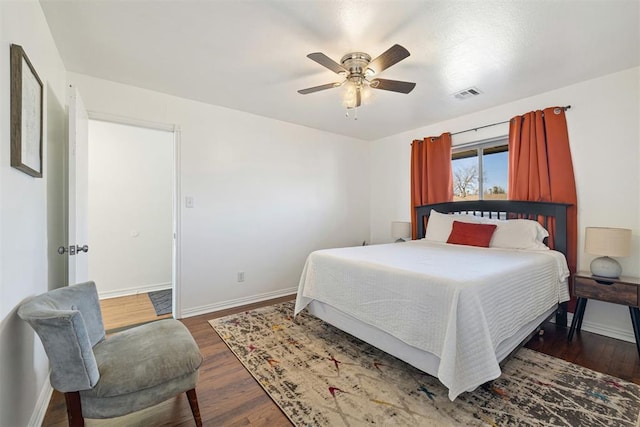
471 234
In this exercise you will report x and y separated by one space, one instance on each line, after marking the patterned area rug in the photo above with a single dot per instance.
321 376
161 301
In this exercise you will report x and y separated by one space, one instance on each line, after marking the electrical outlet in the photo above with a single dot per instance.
240 276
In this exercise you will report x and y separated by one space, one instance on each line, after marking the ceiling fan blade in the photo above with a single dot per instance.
319 88
392 85
393 55
325 61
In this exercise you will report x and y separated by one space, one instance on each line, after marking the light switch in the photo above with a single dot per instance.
188 201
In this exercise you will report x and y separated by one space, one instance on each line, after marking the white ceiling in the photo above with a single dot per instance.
251 55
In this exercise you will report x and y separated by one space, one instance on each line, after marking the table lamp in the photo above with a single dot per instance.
400 230
607 242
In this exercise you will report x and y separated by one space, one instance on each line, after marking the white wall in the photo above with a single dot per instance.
130 208
605 145
23 218
266 193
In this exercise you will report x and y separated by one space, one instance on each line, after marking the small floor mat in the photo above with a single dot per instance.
161 301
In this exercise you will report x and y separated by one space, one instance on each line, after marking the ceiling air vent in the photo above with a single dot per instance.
467 93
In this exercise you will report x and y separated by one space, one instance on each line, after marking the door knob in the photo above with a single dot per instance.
84 248
62 250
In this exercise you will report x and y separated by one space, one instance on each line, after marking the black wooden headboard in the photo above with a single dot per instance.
505 209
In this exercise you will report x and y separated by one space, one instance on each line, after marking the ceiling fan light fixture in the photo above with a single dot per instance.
356 68
350 96
356 95
367 95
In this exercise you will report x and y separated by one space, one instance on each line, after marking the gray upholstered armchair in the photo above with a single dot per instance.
105 378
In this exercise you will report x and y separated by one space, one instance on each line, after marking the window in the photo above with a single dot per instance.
480 170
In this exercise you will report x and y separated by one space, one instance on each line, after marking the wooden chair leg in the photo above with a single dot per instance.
74 409
193 402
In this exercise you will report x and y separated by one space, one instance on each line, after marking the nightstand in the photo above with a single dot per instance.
623 290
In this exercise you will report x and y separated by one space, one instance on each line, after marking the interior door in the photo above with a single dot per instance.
78 189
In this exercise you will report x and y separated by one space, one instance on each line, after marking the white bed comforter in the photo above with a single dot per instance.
456 302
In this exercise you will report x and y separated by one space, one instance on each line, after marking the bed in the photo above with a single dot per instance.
453 311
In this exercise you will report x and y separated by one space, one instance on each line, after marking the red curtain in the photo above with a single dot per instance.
540 167
431 176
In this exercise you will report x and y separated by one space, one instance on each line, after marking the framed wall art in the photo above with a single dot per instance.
26 114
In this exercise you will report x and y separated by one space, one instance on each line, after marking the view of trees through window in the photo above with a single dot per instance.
481 172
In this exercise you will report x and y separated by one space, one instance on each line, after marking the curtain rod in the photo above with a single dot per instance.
495 124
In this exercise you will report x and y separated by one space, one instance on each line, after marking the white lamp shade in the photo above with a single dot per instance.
612 242
400 229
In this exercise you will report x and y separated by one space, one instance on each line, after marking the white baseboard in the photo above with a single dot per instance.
204 309
596 328
134 290
40 410
607 331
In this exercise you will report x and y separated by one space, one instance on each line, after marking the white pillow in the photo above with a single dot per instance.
510 234
440 225
518 234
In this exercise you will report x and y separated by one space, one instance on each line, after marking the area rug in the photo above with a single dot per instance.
321 376
161 301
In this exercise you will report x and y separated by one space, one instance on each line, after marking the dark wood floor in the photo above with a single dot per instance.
603 354
229 396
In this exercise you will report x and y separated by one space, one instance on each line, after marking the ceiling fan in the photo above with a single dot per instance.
357 68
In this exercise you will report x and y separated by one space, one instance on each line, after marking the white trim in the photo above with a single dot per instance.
595 328
177 229
607 331
42 404
211 308
121 120
483 143
134 290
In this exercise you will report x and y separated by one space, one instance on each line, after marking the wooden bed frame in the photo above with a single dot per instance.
507 209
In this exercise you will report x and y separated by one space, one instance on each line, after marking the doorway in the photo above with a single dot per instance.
131 215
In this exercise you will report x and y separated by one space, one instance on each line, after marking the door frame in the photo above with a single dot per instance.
176 249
